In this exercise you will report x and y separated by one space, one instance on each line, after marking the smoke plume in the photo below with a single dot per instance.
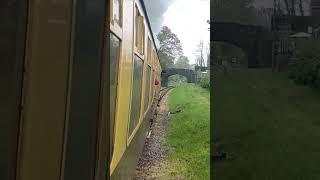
155 11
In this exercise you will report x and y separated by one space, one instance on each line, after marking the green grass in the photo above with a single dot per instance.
188 139
270 125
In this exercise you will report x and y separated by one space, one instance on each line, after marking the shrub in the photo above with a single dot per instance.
305 64
205 82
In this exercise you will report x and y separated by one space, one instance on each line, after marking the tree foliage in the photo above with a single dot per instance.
166 61
170 47
305 64
292 7
205 81
177 80
182 62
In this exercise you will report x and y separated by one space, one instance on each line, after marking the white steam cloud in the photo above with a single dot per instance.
155 11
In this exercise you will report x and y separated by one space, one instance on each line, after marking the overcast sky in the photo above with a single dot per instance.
186 18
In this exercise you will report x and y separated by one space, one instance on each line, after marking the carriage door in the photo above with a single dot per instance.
45 89
84 127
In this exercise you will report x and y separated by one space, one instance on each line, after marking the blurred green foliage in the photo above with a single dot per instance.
205 81
305 64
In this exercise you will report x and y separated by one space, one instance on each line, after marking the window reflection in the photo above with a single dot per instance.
136 94
114 67
147 91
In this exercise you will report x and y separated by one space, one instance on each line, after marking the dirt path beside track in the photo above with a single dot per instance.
151 162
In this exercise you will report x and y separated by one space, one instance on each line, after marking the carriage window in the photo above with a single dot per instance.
147 90
114 66
139 32
117 11
149 55
136 94
142 38
136 26
152 85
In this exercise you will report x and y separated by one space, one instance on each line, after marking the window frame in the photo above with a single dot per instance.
141 55
139 31
113 135
117 31
148 64
131 135
149 51
114 26
150 84
153 73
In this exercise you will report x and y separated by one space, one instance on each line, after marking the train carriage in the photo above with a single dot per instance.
138 71
52 67
54 96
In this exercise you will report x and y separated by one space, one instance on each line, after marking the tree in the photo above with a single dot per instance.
301 8
165 60
200 54
293 11
291 6
170 47
264 16
287 6
182 62
208 54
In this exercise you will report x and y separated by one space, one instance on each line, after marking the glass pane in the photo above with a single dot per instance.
136 26
149 51
147 90
152 85
136 94
143 33
114 66
116 11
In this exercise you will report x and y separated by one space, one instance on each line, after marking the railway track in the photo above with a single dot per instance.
163 92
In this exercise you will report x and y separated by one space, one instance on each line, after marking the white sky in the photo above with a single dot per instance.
188 20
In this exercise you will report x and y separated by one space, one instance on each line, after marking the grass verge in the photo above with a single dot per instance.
188 139
270 125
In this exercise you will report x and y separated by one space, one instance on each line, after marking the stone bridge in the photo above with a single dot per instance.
188 73
255 41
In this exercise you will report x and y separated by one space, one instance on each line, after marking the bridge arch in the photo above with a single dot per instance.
188 73
255 41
